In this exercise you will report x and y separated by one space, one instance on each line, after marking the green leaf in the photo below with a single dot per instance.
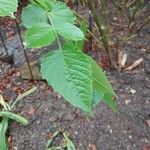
60 13
96 98
42 3
80 44
3 130
69 72
102 89
69 31
14 116
40 35
32 15
8 7
101 85
84 27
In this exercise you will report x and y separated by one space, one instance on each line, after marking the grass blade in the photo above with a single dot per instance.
3 129
14 116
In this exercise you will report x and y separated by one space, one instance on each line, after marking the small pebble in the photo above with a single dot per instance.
132 91
127 101
76 132
130 137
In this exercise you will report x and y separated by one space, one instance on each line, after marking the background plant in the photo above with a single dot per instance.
127 10
65 144
5 115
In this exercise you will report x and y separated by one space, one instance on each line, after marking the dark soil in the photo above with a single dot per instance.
125 130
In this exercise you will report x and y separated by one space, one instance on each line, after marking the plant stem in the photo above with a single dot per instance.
91 29
138 4
130 3
82 18
116 4
143 24
58 41
133 16
24 51
78 15
123 8
103 39
136 32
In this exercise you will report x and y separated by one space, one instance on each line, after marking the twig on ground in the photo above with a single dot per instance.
120 54
21 96
134 65
124 60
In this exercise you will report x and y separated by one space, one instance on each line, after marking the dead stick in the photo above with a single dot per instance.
25 54
124 60
120 55
90 28
134 65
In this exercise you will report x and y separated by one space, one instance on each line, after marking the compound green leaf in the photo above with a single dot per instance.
8 7
32 15
61 13
69 73
101 85
69 32
40 35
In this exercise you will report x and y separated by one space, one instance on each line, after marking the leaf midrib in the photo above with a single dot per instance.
70 74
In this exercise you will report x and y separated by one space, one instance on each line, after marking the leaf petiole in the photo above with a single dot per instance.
51 22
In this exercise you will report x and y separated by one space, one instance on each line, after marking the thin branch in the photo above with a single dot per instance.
90 28
116 4
103 39
143 24
130 3
25 53
82 18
